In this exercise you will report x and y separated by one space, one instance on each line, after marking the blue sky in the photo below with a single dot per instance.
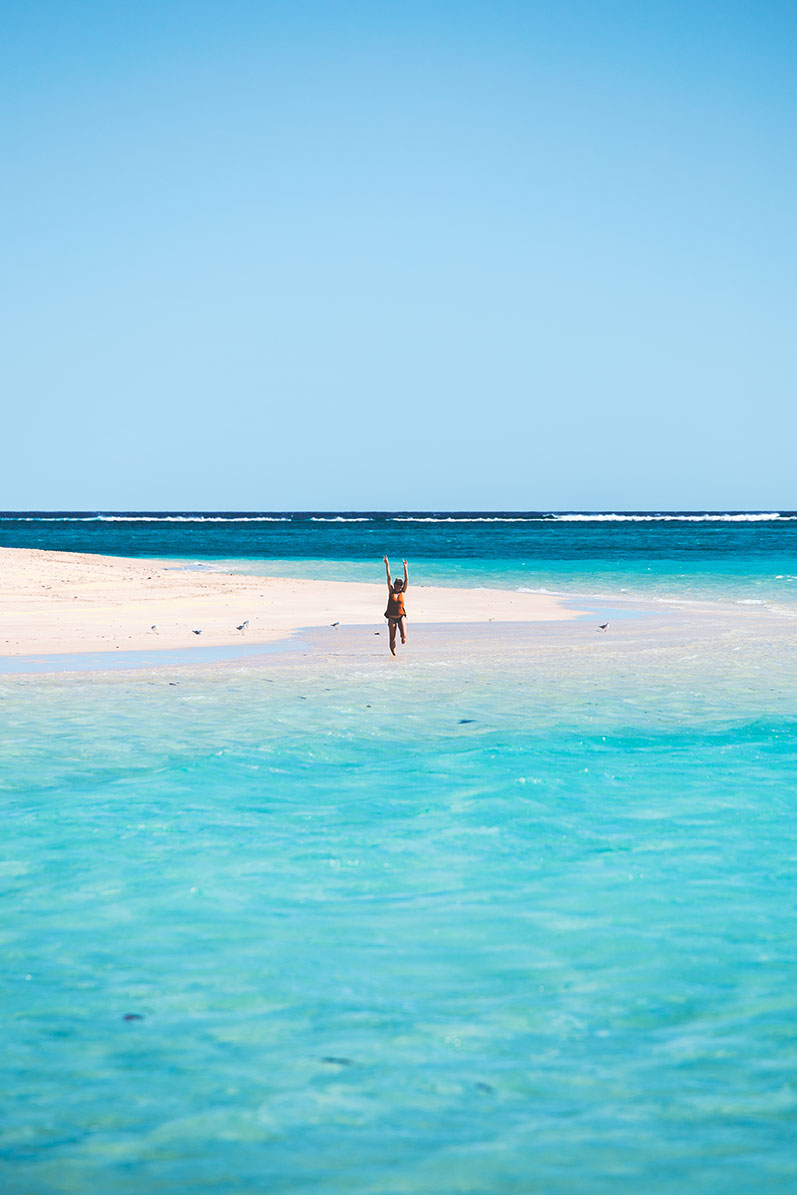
379 255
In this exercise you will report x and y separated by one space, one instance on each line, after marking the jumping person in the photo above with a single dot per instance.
395 613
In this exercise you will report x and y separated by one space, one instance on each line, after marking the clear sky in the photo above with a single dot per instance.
423 254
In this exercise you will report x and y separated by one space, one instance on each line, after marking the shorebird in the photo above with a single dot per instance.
243 625
602 626
154 628
196 632
335 625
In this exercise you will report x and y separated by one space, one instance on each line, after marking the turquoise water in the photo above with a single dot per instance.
727 556
515 913
768 581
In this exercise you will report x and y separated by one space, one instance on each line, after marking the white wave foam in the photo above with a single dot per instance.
144 519
671 518
497 519
192 519
575 517
596 517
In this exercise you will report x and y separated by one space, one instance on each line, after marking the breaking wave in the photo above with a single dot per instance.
709 517
388 517
145 519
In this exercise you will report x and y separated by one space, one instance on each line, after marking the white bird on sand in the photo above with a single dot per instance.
196 632
243 625
335 625
155 628
602 626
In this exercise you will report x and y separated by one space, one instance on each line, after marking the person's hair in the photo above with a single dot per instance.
398 583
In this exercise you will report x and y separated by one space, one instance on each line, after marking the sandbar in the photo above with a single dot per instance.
66 602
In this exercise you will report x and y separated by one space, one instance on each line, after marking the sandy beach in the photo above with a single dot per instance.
62 602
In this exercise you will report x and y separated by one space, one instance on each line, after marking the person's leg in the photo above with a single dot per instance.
392 625
403 630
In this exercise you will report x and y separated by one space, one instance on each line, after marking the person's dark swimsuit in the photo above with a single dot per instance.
395 607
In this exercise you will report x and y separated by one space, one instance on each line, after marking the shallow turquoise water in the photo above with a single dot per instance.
769 581
519 922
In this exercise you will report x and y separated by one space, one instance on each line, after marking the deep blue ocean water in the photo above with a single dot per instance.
438 536
515 913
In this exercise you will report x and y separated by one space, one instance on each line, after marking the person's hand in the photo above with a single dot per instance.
385 559
404 562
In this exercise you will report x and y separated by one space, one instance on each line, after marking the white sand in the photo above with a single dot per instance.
53 602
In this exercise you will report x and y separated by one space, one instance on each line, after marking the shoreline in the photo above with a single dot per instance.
65 604
640 642
356 646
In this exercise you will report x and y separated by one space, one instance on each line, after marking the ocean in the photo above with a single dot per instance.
514 913
738 556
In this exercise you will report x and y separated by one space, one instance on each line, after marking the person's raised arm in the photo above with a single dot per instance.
406 576
387 570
